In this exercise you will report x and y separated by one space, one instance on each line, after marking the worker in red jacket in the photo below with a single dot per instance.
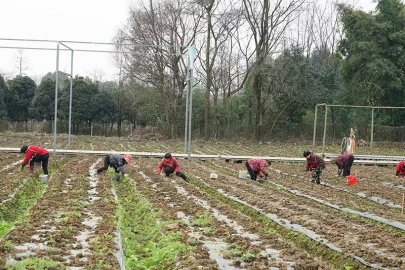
169 165
400 169
315 164
34 153
344 162
257 167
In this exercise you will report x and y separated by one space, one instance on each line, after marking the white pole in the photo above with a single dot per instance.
187 100
372 128
56 98
70 99
324 130
190 110
315 120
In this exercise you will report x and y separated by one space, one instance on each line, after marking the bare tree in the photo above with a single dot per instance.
220 20
21 63
268 21
159 34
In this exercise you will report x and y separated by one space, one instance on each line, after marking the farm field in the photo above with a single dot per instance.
84 220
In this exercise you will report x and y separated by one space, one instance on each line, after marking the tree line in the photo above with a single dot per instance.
260 69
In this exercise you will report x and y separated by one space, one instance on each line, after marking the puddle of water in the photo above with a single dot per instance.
145 177
220 217
214 249
392 185
5 168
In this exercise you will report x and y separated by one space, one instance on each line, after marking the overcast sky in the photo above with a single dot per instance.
78 20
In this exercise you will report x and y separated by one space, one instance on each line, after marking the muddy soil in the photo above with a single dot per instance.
375 243
172 194
62 225
374 182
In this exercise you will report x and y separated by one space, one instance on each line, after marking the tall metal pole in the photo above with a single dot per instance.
70 98
190 53
187 98
315 120
56 98
190 108
372 127
324 130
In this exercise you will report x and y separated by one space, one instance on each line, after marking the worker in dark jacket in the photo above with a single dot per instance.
34 153
315 164
257 167
169 165
344 162
400 171
117 162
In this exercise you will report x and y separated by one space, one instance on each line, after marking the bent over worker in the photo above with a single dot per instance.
400 169
169 165
35 153
315 164
257 167
344 162
116 161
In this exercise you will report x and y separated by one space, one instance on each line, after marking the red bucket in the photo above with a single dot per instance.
351 180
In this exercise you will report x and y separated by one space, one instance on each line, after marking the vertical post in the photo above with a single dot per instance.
315 120
372 128
56 98
70 98
190 108
187 97
403 202
324 130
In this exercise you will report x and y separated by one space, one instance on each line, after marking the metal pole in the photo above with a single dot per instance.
70 99
324 130
315 119
187 93
372 127
190 109
56 98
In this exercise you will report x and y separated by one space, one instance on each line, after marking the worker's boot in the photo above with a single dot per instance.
182 175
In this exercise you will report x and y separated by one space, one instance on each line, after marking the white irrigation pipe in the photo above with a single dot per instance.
200 156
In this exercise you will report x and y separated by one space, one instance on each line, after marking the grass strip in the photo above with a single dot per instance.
16 210
147 244
338 260
37 264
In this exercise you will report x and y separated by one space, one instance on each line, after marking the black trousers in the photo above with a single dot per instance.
106 165
252 173
348 166
44 161
168 171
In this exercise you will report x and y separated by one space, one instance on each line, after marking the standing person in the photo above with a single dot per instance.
344 162
315 164
257 167
117 162
169 165
400 169
34 153
349 143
